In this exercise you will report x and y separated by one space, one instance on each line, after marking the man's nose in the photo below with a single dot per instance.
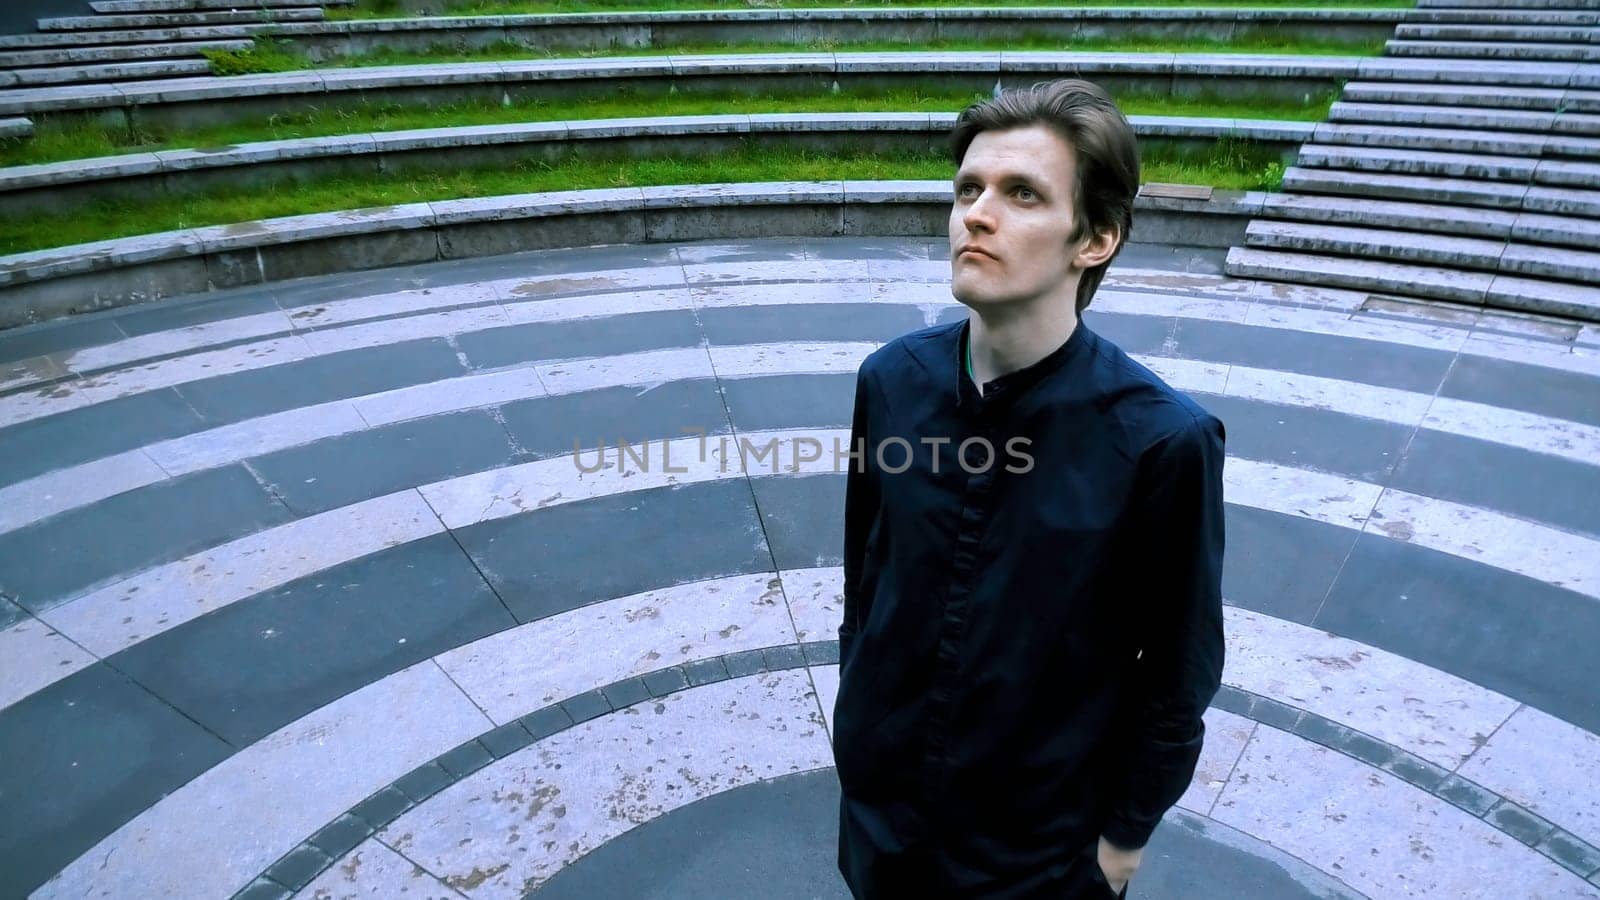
978 213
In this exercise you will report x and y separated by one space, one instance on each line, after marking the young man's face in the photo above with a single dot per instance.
1013 199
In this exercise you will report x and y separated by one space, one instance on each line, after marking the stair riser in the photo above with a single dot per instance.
100 74
1517 171
1313 182
178 20
1471 291
1499 228
1513 52
102 55
1370 251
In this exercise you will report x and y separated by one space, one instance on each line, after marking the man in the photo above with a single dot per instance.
1033 546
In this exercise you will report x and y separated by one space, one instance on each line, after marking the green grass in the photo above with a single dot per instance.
1228 164
385 9
276 55
60 138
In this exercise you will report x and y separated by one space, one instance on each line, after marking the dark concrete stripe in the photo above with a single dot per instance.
294 870
1547 392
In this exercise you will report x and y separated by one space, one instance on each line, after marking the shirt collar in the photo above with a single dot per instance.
1012 383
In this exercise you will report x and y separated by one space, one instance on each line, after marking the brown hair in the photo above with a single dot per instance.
1083 114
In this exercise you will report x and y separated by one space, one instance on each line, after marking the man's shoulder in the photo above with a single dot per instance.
911 349
1148 408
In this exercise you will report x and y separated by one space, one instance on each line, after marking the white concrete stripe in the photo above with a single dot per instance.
1493 538
531 666
518 671
374 871
119 615
280 554
34 656
1546 765
210 837
46 495
509 827
1377 833
188 339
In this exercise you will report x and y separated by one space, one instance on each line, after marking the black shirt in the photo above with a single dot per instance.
1027 646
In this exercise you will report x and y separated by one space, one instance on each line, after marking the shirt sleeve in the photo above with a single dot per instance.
861 500
1179 667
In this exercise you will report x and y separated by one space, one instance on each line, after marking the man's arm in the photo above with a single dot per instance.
861 500
1179 543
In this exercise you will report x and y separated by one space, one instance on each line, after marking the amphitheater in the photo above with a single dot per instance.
309 311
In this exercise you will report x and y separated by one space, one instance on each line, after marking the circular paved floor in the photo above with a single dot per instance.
307 591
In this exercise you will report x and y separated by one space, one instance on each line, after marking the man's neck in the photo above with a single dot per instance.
1001 344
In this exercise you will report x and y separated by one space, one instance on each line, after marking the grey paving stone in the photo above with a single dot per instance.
83 756
250 667
1533 486
48 562
262 889
1255 576
626 693
787 656
342 470
586 706
809 322
341 835
557 425
666 681
1572 852
1519 823
745 662
562 557
189 311
296 869
333 376
1306 437
607 336
52 337
507 739
1270 712
541 723
800 516
423 782
1370 362
705 671
1469 796
819 653
1417 771
382 807
790 401
1233 700
1546 392
466 759
1450 613
92 432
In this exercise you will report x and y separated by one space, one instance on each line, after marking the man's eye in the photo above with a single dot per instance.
1027 191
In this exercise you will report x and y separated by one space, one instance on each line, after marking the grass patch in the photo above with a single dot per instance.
60 138
386 9
1228 164
277 55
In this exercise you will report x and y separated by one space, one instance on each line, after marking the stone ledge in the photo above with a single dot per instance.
51 283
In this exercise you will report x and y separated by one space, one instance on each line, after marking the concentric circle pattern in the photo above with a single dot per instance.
320 588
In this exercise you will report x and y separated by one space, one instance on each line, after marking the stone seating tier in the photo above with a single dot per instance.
85 56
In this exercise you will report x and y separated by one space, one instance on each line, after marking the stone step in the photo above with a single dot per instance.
122 71
1408 280
16 127
109 7
1452 191
1505 4
1562 201
1426 248
67 39
1517 34
1461 221
1447 95
179 20
1494 50
1469 117
115 53
1504 143
1571 18
1418 162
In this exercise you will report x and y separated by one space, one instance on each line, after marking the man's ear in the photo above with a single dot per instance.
1098 248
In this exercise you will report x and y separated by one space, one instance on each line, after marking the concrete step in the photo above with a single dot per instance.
1516 34
1469 117
16 127
1505 4
1389 93
1408 280
1562 201
1569 231
1461 221
1503 143
1494 50
109 7
1422 189
1570 18
66 39
1426 248
122 71
179 20
115 53
1418 162
1574 173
